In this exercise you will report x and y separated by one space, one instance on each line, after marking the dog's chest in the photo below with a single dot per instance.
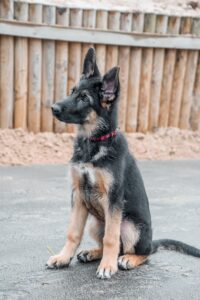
93 185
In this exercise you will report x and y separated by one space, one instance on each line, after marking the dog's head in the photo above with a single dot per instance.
92 98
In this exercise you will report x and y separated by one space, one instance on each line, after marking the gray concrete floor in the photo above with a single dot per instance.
34 212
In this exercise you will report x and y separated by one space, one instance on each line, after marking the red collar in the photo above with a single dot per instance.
103 137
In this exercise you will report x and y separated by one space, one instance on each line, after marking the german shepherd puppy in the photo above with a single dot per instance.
106 182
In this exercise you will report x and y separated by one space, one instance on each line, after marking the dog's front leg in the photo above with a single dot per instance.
111 244
75 231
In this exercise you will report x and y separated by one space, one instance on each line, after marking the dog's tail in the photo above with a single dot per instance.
174 245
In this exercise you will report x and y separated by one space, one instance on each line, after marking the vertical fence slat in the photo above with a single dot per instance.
34 74
75 67
61 65
6 69
101 23
112 51
48 69
190 72
134 77
123 60
168 73
21 71
195 111
89 21
178 80
157 73
145 80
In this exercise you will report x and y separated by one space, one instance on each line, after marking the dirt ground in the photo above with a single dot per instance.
18 147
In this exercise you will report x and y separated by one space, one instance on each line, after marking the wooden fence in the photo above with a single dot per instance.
41 55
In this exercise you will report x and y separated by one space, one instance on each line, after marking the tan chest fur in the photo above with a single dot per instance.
93 185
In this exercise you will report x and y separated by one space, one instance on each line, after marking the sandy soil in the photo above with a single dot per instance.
18 147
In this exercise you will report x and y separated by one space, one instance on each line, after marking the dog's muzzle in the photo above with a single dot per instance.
56 110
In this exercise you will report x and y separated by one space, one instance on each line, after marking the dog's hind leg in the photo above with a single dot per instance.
136 245
96 231
130 261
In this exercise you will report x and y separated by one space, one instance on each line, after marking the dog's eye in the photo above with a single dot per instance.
84 98
73 90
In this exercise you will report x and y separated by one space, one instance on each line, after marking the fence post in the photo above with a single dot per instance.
195 110
168 74
191 67
102 23
48 72
61 65
134 77
179 75
157 74
145 80
74 55
34 74
21 71
123 60
89 21
112 51
6 69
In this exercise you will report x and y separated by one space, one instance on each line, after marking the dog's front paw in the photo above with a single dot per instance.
90 255
58 261
106 271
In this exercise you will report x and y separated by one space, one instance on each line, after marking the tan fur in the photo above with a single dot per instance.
96 253
90 123
74 235
131 260
101 181
130 235
105 104
96 231
111 241
90 255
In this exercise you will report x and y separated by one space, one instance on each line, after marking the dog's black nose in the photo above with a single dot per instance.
56 109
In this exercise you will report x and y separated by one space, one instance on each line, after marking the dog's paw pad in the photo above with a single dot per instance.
123 263
57 261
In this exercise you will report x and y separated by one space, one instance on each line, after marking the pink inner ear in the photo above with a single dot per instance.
108 87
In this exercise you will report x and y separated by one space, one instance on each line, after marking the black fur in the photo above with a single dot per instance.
101 95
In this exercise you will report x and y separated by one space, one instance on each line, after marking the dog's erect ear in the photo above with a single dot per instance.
90 68
110 85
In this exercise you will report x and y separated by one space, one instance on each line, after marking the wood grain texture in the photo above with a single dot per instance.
191 67
101 23
34 74
61 66
75 57
179 75
168 74
134 77
89 21
157 74
97 36
48 72
21 71
145 80
6 69
112 51
123 62
195 109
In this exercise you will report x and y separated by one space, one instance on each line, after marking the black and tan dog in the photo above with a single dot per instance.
106 182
